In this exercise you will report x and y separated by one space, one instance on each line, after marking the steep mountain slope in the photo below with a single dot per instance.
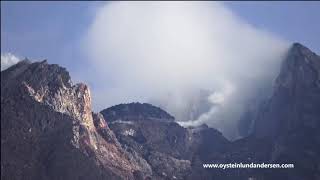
48 131
296 97
291 116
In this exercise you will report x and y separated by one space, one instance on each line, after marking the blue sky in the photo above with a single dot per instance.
45 30
65 21
296 21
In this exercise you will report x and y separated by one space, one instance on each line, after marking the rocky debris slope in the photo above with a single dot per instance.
170 151
167 148
48 130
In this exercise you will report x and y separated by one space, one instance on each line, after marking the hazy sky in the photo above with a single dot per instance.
53 30
49 23
141 51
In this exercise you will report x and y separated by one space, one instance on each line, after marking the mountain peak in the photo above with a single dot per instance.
298 45
301 66
296 90
51 75
135 111
299 49
49 121
49 84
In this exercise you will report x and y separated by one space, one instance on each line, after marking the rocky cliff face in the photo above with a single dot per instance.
296 97
48 130
290 117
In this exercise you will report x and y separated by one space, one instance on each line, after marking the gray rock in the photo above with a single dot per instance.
48 132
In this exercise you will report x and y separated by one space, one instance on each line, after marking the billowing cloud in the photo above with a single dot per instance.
165 52
7 60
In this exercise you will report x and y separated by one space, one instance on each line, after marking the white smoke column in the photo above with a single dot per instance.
217 99
7 60
147 50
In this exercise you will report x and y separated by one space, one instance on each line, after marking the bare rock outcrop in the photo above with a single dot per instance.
48 130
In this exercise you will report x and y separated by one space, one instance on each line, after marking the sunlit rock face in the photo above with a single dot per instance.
48 130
